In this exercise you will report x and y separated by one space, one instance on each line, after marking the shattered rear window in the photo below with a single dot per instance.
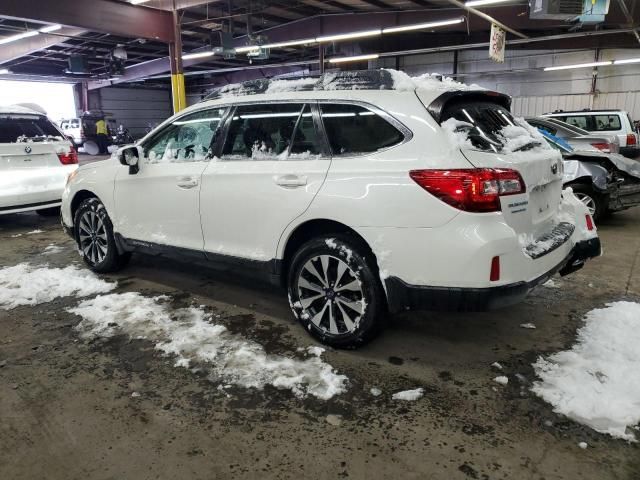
489 127
14 128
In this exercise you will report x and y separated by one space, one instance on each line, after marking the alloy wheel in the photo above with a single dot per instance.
588 202
331 295
92 235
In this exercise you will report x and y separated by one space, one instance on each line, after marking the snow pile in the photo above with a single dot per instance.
427 81
284 85
409 395
52 249
24 284
597 382
530 326
457 133
187 334
502 380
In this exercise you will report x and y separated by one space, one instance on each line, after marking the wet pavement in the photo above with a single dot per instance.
117 409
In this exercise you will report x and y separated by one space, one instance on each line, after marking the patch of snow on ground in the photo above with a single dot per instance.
583 445
496 365
409 395
24 284
530 326
551 284
52 249
32 232
597 382
376 392
502 380
188 335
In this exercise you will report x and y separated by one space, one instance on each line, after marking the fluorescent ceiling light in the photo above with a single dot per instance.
4 71
355 58
29 33
137 2
423 26
480 3
19 36
50 28
579 65
627 60
348 36
190 56
290 43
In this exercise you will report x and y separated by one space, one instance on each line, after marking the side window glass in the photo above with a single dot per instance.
261 132
355 130
580 122
306 141
607 122
188 139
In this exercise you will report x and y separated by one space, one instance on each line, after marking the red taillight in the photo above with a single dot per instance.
589 222
472 189
631 139
69 158
605 147
495 269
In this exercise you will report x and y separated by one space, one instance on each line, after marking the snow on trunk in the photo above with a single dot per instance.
24 284
188 335
597 382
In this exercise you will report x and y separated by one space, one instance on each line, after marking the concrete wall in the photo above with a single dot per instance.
135 108
537 92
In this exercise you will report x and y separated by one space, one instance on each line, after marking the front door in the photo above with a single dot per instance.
161 202
273 163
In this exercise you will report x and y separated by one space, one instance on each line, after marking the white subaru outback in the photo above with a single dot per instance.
361 193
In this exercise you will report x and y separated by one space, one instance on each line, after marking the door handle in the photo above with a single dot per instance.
187 182
291 181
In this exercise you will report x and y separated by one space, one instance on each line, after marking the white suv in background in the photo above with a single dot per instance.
362 193
35 161
614 122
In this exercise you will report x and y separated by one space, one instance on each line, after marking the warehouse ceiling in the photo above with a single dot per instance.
281 20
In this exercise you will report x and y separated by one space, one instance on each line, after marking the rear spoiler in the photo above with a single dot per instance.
436 107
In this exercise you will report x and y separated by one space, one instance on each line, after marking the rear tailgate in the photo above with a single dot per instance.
32 172
490 137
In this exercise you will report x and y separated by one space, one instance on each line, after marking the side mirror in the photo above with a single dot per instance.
130 156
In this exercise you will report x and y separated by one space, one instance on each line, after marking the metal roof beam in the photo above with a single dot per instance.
27 46
118 18
488 18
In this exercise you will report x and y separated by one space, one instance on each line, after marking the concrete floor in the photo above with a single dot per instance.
66 410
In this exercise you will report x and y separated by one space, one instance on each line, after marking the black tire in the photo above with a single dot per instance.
358 315
585 192
49 212
91 220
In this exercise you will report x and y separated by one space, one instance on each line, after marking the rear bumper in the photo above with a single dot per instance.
402 296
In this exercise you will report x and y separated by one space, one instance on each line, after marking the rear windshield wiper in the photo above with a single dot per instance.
528 146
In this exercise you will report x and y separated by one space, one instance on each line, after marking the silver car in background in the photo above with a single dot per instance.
578 138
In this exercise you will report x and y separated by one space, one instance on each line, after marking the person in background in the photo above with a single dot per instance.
102 136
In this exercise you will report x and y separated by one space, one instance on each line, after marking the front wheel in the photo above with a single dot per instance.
94 235
594 201
335 291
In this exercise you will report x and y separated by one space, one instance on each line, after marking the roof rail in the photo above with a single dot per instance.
350 80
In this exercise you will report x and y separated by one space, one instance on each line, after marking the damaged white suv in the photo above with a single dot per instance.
361 193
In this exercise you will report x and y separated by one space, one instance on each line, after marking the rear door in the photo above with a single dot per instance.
272 164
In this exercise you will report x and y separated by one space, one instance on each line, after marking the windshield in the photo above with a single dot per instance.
488 126
18 128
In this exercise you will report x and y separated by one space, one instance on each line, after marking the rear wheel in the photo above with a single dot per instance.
594 201
94 234
335 291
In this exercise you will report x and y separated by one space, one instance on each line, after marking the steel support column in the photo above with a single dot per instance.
178 92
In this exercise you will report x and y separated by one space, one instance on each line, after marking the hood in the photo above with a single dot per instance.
628 166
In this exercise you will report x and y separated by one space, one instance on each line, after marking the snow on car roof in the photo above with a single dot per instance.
383 79
8 109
